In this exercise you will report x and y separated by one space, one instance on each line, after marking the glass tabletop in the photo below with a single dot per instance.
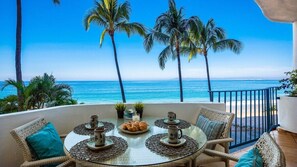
137 153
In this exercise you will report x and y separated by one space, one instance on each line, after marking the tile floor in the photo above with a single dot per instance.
286 140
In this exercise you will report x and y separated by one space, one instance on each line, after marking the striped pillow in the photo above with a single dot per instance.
212 129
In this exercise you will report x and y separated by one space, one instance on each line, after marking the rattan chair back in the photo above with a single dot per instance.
216 115
21 133
271 153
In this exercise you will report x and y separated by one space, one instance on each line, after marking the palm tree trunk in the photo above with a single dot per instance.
18 66
180 75
118 69
208 78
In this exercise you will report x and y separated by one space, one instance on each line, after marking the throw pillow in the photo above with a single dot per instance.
250 159
46 142
212 129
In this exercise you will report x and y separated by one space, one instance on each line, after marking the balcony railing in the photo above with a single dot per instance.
255 112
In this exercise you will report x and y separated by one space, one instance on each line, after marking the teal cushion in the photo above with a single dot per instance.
46 142
212 129
250 159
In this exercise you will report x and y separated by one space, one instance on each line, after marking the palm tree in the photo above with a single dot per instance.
18 67
18 64
211 37
171 29
113 17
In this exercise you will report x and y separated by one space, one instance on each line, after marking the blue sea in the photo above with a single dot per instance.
90 92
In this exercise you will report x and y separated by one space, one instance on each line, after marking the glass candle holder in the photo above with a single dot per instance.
136 117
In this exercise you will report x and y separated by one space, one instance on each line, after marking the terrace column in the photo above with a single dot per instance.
295 45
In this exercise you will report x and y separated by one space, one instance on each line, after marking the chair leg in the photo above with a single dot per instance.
227 163
194 164
226 145
188 164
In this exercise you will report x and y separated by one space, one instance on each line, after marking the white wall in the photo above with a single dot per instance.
65 118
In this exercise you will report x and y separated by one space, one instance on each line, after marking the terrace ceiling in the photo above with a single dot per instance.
279 10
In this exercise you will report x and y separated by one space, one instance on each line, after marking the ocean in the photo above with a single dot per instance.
91 92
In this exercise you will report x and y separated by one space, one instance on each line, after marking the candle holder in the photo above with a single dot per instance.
136 117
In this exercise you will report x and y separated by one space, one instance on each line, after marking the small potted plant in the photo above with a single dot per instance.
139 108
120 107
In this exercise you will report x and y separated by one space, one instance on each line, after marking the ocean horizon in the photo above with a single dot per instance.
152 91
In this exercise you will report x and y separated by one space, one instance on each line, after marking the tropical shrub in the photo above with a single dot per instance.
41 92
9 104
290 83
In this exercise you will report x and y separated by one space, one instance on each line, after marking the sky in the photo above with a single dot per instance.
54 41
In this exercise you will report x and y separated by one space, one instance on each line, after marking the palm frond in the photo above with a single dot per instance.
91 17
195 25
172 7
56 2
232 44
134 28
188 47
102 37
148 42
210 24
220 33
123 12
11 82
161 37
163 56
122 26
163 21
106 3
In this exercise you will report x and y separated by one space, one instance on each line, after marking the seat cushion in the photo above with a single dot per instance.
46 142
212 129
250 159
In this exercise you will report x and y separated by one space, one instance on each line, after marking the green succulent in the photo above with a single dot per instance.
120 107
138 106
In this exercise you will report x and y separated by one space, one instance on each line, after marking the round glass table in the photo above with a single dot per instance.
137 154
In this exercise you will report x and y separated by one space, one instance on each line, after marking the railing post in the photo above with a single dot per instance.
211 96
268 108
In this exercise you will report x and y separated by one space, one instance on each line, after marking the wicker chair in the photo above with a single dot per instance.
222 143
21 133
271 153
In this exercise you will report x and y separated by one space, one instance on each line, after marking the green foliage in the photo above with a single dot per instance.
113 17
210 37
171 29
138 106
120 107
43 91
56 2
290 83
9 104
